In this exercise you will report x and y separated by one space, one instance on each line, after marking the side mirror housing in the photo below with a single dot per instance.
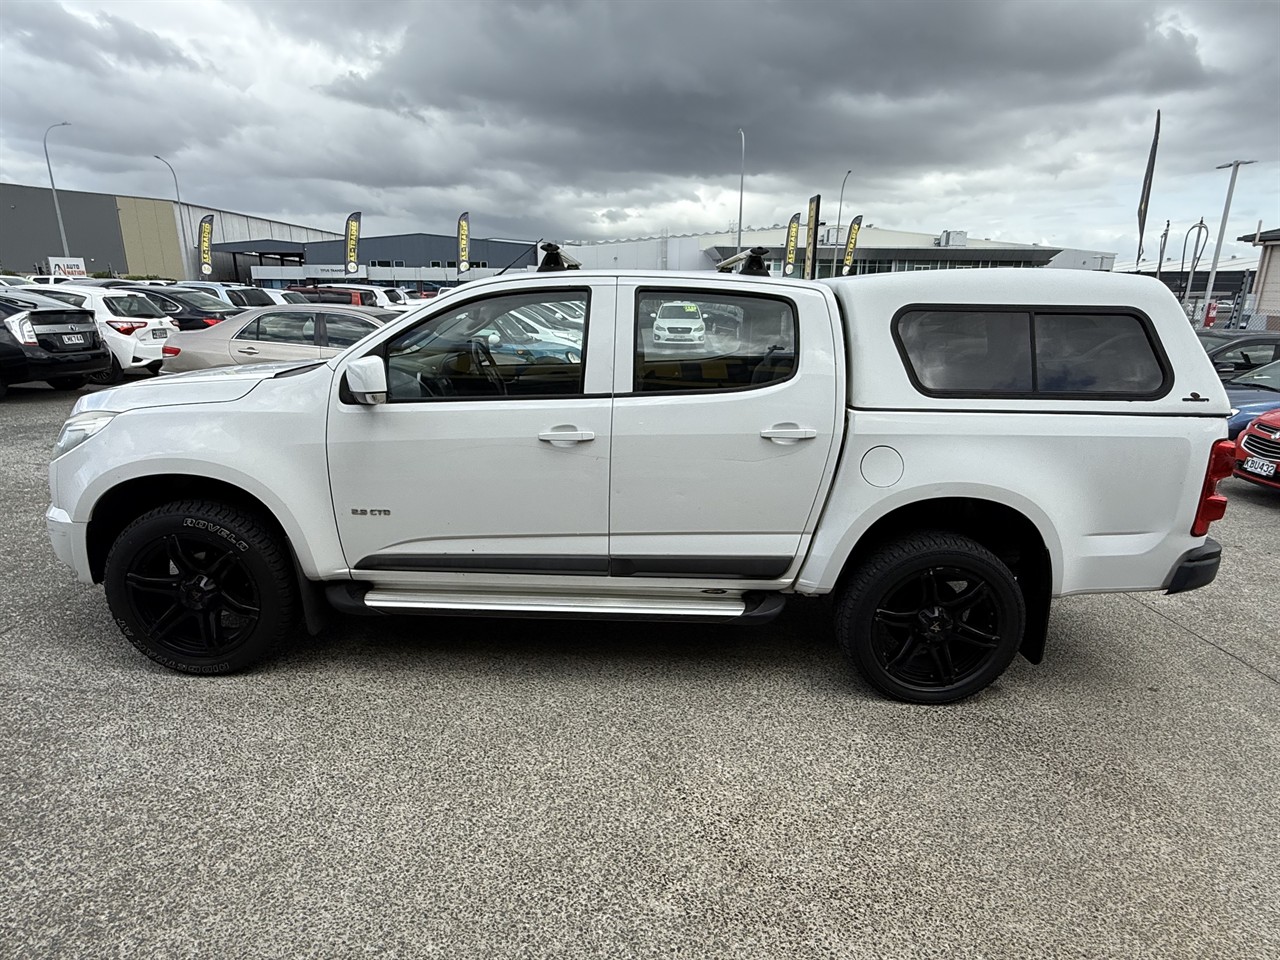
494 339
367 380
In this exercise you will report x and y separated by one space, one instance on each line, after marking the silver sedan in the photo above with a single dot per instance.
312 331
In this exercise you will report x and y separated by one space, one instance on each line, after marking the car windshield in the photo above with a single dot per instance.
292 297
250 297
1268 377
200 301
678 311
132 306
1212 340
394 295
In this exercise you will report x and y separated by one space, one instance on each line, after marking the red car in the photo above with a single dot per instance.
1258 451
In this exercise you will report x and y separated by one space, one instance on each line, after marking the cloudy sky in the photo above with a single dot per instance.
1027 120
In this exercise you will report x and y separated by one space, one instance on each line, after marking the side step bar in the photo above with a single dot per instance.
363 600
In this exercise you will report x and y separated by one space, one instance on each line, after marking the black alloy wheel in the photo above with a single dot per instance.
932 618
108 377
201 587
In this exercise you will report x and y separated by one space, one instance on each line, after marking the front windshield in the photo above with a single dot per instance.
132 306
253 297
1268 377
394 295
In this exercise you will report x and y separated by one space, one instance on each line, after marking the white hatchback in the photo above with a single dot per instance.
678 321
132 327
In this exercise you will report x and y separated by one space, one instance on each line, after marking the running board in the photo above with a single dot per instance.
360 599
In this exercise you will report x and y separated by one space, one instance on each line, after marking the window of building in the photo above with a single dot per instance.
689 340
451 264
989 352
435 263
380 263
397 263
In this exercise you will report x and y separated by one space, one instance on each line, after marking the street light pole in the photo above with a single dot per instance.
742 178
1235 166
839 213
53 187
182 219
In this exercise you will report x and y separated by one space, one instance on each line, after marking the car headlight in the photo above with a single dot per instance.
80 428
1234 411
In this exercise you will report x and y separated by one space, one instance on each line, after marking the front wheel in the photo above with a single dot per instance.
932 618
201 587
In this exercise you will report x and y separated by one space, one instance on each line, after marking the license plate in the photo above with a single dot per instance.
70 338
159 334
1263 468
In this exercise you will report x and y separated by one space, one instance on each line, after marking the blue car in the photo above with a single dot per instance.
1252 395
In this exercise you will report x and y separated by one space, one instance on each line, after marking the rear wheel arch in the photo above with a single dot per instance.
1007 532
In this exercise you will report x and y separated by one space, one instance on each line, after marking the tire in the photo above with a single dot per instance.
931 618
201 587
67 383
109 377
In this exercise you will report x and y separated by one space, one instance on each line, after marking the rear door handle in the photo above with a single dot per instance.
788 432
246 349
569 435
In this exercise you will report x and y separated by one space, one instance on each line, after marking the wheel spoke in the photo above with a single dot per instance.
164 585
179 556
168 620
905 653
975 636
239 607
942 659
220 566
210 626
930 587
892 619
967 599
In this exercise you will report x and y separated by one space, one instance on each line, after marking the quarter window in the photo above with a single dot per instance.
479 350
989 352
694 341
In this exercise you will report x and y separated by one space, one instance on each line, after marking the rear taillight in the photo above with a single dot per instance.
170 351
210 321
127 327
21 328
1222 460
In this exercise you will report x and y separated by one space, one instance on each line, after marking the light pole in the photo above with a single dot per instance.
182 219
839 214
742 179
53 187
1235 166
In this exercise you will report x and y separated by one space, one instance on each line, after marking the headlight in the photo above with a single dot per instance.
1234 411
79 429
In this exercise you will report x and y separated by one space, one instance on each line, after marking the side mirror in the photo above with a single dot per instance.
1226 366
653 316
367 380
494 339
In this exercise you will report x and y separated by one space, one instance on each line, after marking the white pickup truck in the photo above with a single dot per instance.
944 453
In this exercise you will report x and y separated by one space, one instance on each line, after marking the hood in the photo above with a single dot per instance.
1246 398
219 385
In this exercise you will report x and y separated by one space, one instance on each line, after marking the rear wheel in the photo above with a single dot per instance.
932 618
67 383
201 587
110 376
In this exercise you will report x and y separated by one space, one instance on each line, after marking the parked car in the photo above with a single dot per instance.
885 440
284 296
1258 451
52 278
46 339
9 280
678 322
385 297
1251 395
1239 352
237 294
131 326
188 309
266 334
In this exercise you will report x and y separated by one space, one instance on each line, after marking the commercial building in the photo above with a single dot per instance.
878 251
114 233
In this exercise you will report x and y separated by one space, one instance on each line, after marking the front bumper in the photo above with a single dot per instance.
1197 568
69 542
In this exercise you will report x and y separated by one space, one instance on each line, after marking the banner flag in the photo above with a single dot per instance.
352 233
793 234
206 244
854 226
1146 189
811 239
464 243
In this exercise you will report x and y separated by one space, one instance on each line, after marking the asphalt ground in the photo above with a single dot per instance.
477 788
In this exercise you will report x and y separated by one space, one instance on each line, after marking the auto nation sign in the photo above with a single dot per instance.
67 266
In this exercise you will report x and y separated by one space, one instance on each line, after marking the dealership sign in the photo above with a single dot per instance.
334 270
67 266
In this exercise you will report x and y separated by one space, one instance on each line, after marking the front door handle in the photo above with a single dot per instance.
566 435
788 433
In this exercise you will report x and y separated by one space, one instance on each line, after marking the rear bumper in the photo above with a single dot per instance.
1197 568
38 364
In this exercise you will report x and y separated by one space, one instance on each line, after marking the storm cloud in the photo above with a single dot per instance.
1014 120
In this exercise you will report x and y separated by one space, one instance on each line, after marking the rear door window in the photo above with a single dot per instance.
297 328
